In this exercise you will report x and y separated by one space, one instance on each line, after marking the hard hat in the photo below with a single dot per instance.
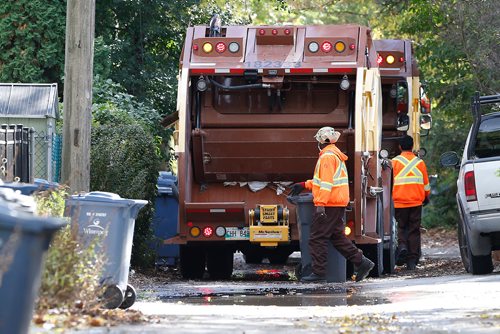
327 134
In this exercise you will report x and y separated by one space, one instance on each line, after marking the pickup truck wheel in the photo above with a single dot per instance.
192 261
220 263
476 265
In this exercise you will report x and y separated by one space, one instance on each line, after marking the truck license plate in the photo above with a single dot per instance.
235 233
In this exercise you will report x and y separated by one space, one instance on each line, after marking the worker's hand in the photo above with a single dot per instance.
426 201
297 188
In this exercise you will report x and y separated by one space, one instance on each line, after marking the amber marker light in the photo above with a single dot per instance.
339 47
390 59
207 47
195 231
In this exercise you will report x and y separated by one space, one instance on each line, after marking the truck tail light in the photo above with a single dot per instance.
208 231
326 46
348 228
220 231
220 47
470 186
234 47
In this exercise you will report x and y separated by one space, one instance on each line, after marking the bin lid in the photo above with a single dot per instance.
106 197
166 183
301 198
11 218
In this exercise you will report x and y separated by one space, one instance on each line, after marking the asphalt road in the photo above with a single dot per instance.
450 303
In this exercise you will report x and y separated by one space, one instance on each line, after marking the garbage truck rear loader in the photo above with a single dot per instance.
406 111
250 99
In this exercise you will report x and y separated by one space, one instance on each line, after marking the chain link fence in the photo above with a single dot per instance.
47 156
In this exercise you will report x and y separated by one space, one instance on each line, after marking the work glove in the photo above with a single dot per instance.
426 201
297 188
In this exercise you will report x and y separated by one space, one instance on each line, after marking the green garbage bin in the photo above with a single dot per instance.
336 263
24 238
108 220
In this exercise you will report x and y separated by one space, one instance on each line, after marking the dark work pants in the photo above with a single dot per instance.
409 230
330 229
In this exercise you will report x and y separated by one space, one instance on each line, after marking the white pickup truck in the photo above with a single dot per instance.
478 186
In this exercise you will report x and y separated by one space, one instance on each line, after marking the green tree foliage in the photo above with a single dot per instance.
457 48
145 39
32 34
125 156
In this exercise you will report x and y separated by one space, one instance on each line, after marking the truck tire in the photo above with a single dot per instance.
476 265
278 256
390 245
253 255
192 261
220 262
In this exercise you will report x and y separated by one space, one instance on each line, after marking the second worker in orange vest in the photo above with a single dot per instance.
411 189
330 190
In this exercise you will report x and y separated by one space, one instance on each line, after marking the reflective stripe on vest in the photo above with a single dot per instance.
339 178
410 166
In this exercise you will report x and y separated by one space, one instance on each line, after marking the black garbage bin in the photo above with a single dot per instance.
336 263
108 220
24 238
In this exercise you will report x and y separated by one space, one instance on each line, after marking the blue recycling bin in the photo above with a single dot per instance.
30 188
24 238
107 221
336 263
165 219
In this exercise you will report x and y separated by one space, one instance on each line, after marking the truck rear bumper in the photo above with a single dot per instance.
480 227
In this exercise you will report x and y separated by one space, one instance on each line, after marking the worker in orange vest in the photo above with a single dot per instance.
330 190
411 190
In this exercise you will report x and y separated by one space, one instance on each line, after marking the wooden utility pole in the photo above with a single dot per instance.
78 75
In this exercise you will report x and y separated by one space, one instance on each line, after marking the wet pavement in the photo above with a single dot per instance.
268 299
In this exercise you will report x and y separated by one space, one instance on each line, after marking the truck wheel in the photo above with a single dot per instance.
391 245
253 256
192 261
130 296
220 263
476 265
278 256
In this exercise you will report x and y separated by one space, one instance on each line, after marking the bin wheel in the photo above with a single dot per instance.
130 297
112 297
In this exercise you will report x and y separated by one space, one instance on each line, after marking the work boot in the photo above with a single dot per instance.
411 264
312 278
402 255
363 269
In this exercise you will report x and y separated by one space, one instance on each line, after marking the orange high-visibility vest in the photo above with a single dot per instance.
330 184
411 182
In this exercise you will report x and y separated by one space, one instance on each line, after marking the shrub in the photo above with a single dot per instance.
71 273
125 161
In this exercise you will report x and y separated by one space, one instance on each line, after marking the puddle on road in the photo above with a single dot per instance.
331 296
